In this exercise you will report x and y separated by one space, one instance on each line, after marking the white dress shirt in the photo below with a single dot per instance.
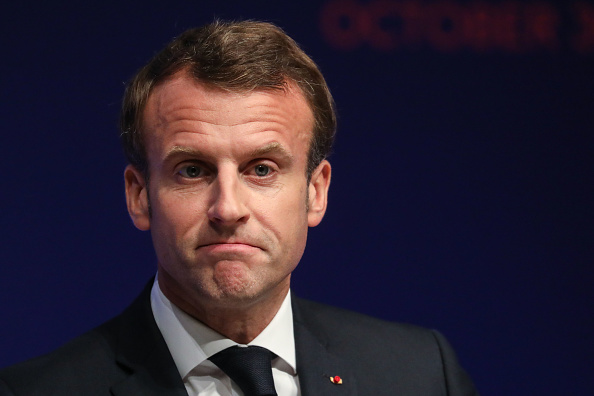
191 343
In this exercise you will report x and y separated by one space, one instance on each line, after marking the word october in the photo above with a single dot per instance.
448 26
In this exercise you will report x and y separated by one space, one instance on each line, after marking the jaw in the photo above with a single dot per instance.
234 307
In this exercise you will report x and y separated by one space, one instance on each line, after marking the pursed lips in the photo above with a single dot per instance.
236 246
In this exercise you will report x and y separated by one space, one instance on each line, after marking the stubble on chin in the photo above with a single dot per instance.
233 280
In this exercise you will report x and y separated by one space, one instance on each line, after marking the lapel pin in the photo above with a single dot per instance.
336 380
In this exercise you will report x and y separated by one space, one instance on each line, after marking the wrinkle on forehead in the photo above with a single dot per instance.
211 99
180 103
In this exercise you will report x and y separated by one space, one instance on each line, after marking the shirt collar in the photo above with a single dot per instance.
191 342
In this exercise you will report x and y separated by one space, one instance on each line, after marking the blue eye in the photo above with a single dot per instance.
262 170
191 171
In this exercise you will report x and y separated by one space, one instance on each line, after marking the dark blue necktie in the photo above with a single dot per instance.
249 367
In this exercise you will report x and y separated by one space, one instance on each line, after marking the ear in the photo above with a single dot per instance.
318 193
137 198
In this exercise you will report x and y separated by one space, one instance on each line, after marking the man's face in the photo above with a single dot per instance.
229 198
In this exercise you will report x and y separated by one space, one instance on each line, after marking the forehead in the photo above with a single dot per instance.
181 102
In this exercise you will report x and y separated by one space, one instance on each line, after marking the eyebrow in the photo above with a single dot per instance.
177 150
272 147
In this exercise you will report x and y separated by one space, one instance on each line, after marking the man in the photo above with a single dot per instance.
227 131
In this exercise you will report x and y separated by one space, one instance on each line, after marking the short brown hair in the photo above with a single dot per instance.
233 56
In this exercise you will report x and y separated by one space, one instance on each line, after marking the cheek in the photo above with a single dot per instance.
287 216
177 212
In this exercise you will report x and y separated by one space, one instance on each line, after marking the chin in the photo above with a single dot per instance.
234 280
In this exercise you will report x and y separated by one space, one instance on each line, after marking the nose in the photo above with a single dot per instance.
228 206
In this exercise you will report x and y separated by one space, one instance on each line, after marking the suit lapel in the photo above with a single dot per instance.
315 364
143 352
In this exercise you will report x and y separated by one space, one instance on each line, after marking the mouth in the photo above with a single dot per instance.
224 246
227 243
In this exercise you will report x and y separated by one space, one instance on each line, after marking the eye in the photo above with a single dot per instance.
261 170
191 171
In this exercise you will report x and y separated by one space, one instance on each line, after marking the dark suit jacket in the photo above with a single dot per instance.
128 356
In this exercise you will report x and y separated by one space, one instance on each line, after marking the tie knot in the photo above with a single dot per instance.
249 367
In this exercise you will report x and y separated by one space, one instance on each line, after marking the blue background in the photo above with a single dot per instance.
461 196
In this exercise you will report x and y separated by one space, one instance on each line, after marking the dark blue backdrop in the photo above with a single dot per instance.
462 188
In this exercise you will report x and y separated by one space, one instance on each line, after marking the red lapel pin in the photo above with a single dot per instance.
336 380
